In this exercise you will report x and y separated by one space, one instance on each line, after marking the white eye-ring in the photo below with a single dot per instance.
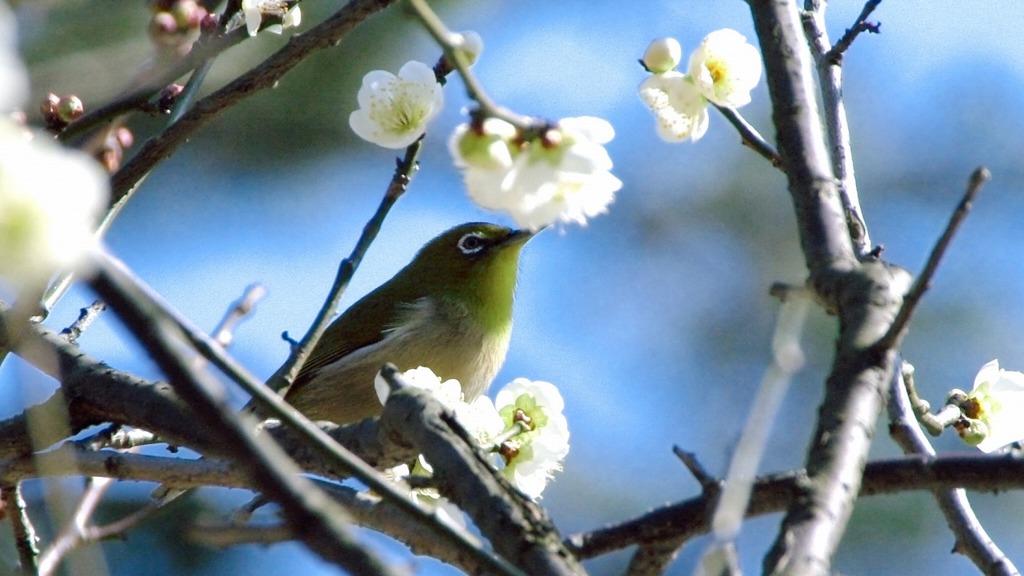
471 243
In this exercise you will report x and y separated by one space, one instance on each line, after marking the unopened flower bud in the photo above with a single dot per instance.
124 137
210 23
662 55
168 97
188 13
552 138
470 44
48 107
163 29
70 109
485 146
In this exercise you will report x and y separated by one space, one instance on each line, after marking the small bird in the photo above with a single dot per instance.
450 309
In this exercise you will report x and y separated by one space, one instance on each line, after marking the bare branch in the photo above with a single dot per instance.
679 522
865 294
835 55
25 538
708 483
85 319
894 337
323 524
830 81
223 334
404 171
325 35
750 136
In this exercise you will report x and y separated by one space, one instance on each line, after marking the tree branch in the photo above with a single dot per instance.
830 80
323 524
865 295
518 528
25 538
685 520
894 337
325 35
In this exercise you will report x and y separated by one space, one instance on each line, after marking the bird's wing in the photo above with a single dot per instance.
364 323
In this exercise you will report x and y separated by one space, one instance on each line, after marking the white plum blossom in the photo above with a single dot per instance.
50 201
532 456
725 68
253 11
50 197
662 55
524 428
394 110
481 420
994 408
487 147
680 111
561 175
448 392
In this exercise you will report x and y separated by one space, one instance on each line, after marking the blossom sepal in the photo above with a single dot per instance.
993 411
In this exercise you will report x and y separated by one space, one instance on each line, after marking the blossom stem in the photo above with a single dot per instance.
516 429
443 37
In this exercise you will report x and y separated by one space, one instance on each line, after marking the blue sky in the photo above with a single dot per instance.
654 320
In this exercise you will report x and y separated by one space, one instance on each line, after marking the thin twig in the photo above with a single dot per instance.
750 137
443 37
682 521
689 459
139 97
835 55
86 317
971 538
75 534
25 538
897 329
223 334
325 35
404 170
830 82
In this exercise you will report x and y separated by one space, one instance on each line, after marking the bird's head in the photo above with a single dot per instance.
475 263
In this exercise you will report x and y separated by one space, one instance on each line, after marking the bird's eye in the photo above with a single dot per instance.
471 243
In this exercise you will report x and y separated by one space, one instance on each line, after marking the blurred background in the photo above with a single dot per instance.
654 320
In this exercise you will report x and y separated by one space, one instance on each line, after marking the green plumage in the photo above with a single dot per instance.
450 309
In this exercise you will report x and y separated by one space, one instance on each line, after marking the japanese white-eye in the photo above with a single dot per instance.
450 309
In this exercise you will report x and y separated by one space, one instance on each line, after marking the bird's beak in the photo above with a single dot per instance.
522 235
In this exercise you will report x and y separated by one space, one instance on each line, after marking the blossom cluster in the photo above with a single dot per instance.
554 172
723 70
561 174
523 428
